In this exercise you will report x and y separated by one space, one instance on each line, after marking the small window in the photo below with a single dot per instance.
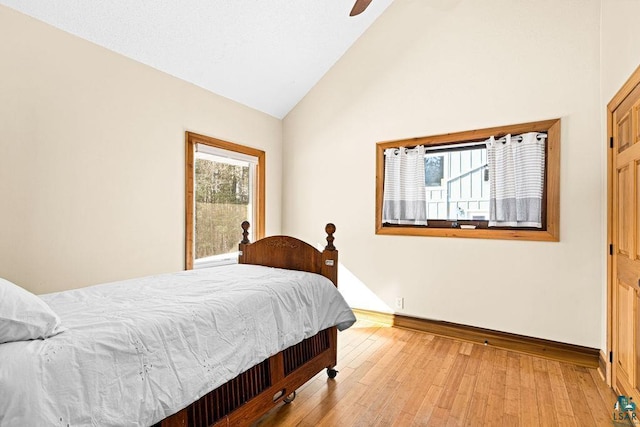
500 183
225 186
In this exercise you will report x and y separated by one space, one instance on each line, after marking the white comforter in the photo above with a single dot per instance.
139 350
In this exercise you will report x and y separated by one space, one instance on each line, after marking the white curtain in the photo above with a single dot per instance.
404 199
516 170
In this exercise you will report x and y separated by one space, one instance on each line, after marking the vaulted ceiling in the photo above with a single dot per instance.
265 54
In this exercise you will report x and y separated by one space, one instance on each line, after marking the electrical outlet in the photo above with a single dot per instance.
399 302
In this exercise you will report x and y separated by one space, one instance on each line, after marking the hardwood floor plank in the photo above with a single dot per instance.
453 381
512 386
559 391
409 379
600 411
581 410
465 348
439 417
404 419
349 411
546 408
394 377
462 401
497 389
385 390
565 420
528 397
480 396
606 393
428 406
425 376
510 420
390 354
446 363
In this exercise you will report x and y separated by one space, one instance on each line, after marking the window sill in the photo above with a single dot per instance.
478 233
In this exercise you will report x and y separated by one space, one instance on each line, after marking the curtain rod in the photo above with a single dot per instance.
539 136
470 144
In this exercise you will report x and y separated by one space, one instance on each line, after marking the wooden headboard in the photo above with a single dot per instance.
291 253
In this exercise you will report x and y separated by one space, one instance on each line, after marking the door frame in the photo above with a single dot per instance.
618 98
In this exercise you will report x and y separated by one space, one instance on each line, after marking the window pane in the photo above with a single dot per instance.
223 199
456 184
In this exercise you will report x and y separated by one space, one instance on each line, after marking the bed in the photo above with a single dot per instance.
140 371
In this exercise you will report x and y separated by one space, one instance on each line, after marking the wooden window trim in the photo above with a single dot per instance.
552 182
258 225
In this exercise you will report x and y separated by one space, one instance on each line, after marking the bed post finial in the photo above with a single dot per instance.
330 229
245 233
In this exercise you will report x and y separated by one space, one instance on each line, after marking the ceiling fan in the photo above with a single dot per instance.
359 7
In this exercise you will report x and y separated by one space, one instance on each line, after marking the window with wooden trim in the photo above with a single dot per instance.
495 183
224 186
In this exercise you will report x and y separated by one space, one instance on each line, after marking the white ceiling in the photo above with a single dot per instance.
266 54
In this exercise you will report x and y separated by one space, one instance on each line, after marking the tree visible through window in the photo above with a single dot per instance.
222 203
433 171
224 186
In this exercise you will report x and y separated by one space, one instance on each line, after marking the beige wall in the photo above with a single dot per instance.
430 67
620 44
620 57
92 159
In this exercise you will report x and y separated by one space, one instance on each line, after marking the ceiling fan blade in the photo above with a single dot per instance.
359 7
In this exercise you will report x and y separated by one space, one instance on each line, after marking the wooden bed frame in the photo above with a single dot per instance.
253 393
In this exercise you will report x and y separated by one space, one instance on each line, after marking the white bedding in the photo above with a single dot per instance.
139 350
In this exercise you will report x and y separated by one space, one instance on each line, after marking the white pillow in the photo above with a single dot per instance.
25 316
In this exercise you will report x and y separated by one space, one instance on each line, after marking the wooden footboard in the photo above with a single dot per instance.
251 394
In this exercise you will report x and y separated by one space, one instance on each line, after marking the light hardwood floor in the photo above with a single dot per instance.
395 377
